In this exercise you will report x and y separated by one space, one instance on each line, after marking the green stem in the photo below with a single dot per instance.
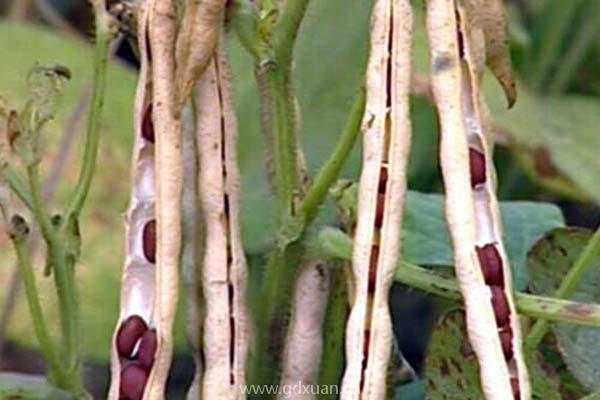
37 316
332 362
553 27
82 188
568 286
337 244
287 29
271 316
330 171
18 186
584 38
283 117
63 279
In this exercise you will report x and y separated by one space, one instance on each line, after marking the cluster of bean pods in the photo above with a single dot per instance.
386 140
458 53
142 343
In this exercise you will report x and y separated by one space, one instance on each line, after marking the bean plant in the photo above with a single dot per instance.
316 314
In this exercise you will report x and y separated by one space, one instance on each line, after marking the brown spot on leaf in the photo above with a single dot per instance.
542 162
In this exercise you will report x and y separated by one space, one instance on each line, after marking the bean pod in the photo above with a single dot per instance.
304 341
386 141
224 274
458 55
134 341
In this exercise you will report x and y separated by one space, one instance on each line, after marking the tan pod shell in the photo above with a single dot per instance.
224 273
304 341
169 181
138 278
473 219
386 141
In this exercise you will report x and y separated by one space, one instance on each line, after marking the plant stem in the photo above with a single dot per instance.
330 171
64 281
271 316
287 29
283 129
337 244
584 38
103 37
334 328
568 286
37 316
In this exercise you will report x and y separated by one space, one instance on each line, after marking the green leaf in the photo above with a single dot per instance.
554 138
410 391
426 240
30 387
549 261
453 372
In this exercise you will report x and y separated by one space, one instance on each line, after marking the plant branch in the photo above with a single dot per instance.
287 29
568 286
333 243
103 37
330 171
35 309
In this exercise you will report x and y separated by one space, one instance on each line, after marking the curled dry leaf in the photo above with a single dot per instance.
197 41
136 319
386 140
224 274
304 341
471 206
490 16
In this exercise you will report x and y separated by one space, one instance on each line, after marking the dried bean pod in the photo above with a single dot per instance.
197 41
191 250
224 266
386 140
304 341
138 280
162 32
457 52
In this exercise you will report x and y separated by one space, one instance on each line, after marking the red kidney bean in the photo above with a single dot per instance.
147 349
373 268
491 264
500 304
130 331
133 382
148 125
506 338
379 210
514 383
477 166
149 241
383 178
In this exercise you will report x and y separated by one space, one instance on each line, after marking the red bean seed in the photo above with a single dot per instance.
383 178
491 264
130 331
514 383
379 210
477 166
133 382
506 339
148 125
147 349
149 241
500 304
373 268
